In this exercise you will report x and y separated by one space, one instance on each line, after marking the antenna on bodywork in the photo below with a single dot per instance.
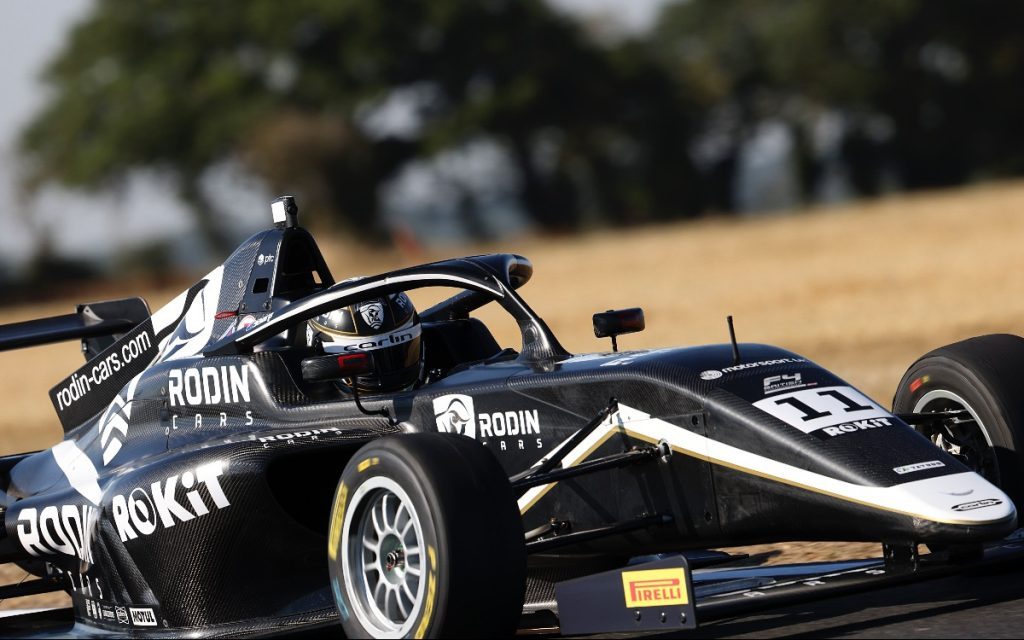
732 338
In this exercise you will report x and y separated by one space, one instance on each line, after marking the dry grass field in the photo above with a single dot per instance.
861 289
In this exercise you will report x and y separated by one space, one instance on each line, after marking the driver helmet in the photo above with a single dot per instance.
386 329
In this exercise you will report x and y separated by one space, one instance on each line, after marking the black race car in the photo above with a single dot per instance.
221 474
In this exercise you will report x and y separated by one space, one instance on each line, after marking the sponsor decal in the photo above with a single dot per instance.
827 411
373 313
508 423
226 384
109 613
856 425
142 616
198 420
145 508
245 323
85 392
977 504
455 414
312 434
113 426
919 466
188 334
66 530
655 587
402 301
714 374
774 384
370 343
619 360
81 583
263 259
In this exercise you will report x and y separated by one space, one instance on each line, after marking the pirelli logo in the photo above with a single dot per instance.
655 587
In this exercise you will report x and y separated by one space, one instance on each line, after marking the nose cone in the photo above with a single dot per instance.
958 506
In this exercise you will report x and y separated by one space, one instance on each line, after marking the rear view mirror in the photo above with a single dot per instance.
335 366
615 323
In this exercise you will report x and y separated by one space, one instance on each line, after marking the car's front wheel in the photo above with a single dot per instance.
426 541
982 380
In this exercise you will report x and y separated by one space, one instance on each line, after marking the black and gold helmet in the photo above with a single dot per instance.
386 329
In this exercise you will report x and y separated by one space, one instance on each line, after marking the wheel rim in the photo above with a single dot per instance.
382 561
967 440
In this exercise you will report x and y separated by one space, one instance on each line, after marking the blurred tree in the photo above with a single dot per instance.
931 86
328 99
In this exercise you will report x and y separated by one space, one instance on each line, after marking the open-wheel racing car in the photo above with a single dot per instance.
226 470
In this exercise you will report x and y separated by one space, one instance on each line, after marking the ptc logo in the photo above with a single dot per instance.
454 414
373 314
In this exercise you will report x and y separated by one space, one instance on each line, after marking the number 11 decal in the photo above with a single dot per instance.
812 409
807 412
850 405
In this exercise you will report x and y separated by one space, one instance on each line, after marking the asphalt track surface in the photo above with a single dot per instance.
980 603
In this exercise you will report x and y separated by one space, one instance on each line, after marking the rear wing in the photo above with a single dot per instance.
98 325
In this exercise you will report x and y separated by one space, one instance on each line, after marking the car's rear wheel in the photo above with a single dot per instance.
983 378
426 541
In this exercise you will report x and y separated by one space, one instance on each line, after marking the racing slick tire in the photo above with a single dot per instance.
426 541
984 376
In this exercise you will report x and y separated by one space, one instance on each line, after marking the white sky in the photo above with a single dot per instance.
78 224
32 32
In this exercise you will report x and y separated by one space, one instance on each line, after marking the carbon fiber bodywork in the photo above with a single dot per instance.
194 497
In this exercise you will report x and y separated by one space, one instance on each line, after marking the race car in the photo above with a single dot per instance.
275 451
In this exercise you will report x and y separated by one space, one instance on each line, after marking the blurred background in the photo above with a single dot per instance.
839 175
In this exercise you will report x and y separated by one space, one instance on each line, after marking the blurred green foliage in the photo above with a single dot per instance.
945 77
596 129
283 87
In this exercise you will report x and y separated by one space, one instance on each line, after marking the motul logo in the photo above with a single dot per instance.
655 587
